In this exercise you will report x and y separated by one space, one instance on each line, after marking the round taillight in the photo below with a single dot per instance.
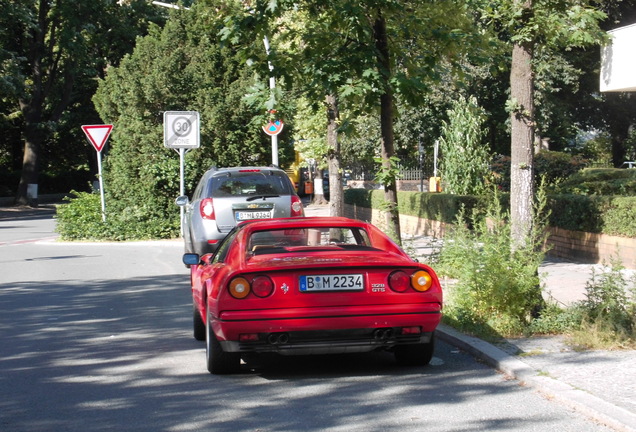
207 209
296 207
399 281
262 286
239 287
421 280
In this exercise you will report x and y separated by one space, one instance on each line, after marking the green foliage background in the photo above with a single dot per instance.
180 67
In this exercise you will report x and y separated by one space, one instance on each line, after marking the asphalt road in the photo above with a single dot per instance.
97 336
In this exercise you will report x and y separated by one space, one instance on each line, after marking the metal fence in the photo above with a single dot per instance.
368 173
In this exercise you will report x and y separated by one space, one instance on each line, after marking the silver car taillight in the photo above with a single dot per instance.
296 207
207 208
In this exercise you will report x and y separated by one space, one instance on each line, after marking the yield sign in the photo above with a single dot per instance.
97 134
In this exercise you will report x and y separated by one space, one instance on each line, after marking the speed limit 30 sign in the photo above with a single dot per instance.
181 129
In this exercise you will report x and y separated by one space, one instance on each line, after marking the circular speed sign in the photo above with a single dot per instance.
181 129
181 126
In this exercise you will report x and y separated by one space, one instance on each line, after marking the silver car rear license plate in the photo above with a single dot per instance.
340 282
248 215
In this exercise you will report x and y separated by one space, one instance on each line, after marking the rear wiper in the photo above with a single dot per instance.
255 197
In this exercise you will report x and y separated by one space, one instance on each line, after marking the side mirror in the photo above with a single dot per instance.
191 259
182 201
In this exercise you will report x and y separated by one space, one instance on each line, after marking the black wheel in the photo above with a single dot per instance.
198 324
416 354
218 361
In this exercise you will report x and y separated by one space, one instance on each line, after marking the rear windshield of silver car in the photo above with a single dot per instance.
249 184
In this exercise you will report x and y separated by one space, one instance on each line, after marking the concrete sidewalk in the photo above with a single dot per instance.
599 384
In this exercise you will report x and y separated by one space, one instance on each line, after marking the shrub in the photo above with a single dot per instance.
81 219
555 166
496 288
550 165
600 181
619 218
607 299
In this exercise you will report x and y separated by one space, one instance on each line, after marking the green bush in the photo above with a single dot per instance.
619 217
608 314
597 214
498 289
600 181
578 212
80 218
553 166
434 206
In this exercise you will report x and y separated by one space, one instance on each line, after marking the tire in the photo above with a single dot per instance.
198 324
218 361
416 354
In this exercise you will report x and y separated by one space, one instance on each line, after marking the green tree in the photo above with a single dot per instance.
360 54
310 142
465 158
51 52
530 26
180 67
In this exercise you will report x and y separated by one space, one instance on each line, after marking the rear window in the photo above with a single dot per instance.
307 239
243 184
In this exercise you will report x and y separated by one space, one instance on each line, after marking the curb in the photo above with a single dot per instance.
588 405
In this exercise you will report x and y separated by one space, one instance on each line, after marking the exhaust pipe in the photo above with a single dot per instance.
383 334
278 338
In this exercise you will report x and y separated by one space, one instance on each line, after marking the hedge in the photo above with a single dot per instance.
611 215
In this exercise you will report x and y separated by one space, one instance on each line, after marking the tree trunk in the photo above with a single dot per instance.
522 140
319 193
386 128
32 107
33 139
336 194
27 189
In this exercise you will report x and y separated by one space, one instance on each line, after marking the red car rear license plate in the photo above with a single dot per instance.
247 215
346 282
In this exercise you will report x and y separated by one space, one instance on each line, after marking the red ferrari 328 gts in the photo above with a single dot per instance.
313 285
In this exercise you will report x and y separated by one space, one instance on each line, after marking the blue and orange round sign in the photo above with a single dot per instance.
274 127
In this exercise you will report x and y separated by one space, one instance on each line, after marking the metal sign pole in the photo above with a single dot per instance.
98 135
181 132
101 184
182 153
272 87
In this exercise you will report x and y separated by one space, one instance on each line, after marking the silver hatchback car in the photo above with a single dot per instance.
226 196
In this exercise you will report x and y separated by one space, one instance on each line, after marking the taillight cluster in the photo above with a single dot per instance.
400 281
207 208
261 286
296 207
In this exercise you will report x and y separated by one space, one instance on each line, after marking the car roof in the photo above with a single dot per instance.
213 171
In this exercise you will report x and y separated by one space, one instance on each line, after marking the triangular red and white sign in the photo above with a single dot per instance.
97 134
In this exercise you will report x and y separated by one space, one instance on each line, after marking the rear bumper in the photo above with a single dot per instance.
327 330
